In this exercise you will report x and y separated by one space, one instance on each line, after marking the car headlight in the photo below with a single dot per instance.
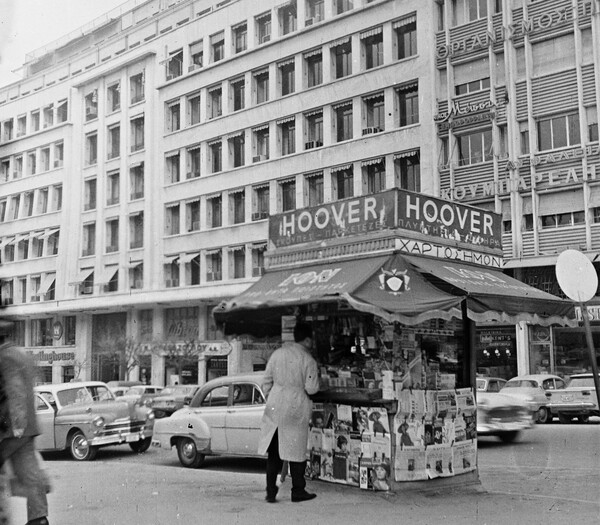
150 415
98 421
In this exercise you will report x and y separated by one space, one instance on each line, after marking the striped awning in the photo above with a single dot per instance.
238 248
187 257
370 162
46 283
260 128
313 112
313 174
341 105
314 52
339 42
371 32
170 259
404 154
373 96
286 119
404 21
343 167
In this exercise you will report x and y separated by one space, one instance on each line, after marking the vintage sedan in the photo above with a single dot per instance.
501 415
171 398
577 400
141 394
489 384
84 416
223 418
532 389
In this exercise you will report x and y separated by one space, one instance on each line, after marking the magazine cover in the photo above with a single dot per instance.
465 456
374 474
378 421
439 461
465 400
315 439
381 446
446 403
327 448
360 420
313 468
410 464
340 466
448 430
366 449
330 413
317 419
431 407
354 453
344 419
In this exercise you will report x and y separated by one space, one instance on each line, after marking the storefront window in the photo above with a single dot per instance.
41 332
44 375
70 330
68 374
497 352
181 323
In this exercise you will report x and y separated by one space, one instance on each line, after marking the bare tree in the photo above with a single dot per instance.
179 354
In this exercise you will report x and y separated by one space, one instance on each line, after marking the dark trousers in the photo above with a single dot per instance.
274 466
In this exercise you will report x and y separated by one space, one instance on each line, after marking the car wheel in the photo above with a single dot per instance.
542 415
188 454
80 448
141 446
509 437
564 419
583 418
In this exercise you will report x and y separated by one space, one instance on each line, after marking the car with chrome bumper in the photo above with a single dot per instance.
577 400
171 399
83 416
223 418
531 389
502 416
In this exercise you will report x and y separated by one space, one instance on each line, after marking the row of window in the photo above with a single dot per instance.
28 289
256 87
137 94
39 160
240 38
560 131
35 202
338 183
111 229
29 245
113 187
34 121
212 157
41 333
554 220
113 149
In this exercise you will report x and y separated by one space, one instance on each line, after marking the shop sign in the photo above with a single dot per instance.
411 247
557 156
52 356
503 186
592 310
339 219
448 220
527 26
464 113
541 334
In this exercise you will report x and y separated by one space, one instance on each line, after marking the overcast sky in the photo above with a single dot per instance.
26 25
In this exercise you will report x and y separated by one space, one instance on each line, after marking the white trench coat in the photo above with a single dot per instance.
291 376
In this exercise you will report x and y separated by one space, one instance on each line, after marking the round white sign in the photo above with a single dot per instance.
576 276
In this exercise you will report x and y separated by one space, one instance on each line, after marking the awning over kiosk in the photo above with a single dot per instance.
406 289
386 286
494 296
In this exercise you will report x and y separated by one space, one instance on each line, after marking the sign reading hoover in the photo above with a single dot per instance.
448 220
332 220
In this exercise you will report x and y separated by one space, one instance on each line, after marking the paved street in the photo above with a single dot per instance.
550 476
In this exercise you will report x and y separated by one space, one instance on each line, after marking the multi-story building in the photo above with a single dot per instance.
141 157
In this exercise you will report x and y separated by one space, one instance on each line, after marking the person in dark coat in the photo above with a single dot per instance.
18 428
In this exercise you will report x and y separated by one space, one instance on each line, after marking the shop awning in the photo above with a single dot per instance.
494 296
386 286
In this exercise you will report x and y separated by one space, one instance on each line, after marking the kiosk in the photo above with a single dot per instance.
393 284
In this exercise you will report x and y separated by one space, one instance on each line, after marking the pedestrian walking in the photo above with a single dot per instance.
18 428
290 377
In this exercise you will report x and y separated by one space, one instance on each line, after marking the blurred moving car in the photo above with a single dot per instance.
222 419
577 400
489 384
84 416
171 398
118 388
531 389
501 415
141 394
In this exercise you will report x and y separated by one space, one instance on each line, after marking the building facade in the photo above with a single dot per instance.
141 157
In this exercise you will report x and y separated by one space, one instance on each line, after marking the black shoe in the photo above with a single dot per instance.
38 521
271 496
303 496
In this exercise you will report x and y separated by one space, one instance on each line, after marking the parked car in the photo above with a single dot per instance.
172 398
489 384
531 389
141 394
118 388
501 415
222 419
577 400
84 416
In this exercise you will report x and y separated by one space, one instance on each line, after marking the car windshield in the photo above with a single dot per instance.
521 383
83 394
178 389
579 382
481 385
134 390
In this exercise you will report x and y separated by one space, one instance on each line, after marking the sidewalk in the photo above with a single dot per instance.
130 494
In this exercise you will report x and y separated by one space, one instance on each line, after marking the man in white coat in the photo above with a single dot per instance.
291 376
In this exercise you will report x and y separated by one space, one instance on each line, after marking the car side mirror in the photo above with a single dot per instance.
187 400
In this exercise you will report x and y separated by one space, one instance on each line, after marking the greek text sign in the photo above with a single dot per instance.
448 220
333 220
449 252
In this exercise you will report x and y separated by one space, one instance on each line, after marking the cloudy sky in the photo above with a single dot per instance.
26 25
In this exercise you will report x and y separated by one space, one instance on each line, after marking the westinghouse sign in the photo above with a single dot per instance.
50 357
409 211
